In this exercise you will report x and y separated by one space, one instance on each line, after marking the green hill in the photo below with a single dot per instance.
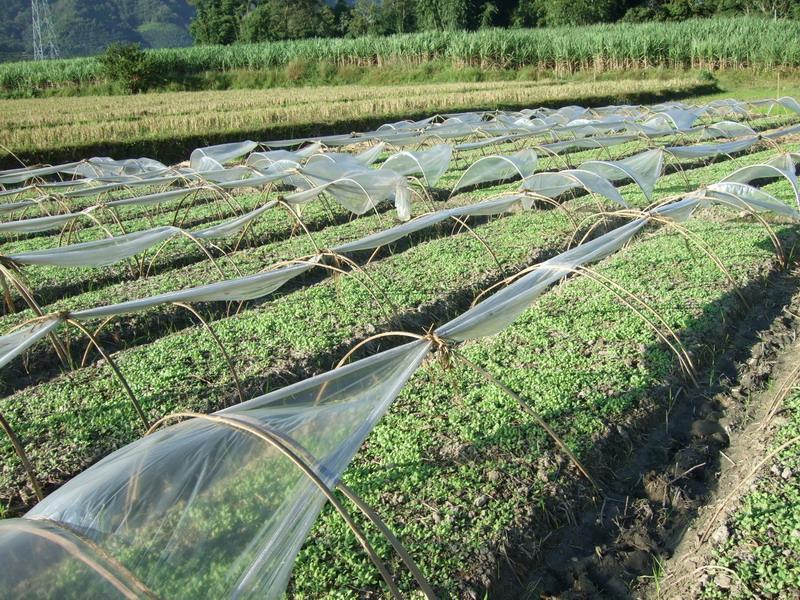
83 28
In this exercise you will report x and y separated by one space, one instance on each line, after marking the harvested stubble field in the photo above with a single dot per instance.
473 486
170 124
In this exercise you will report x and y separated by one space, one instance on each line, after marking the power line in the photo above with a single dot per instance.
44 36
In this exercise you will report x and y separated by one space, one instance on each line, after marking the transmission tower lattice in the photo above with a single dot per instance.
44 36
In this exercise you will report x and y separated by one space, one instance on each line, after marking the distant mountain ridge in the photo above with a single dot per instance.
87 27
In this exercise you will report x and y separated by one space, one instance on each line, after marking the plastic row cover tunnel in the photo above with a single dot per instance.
206 507
203 508
361 189
573 122
642 168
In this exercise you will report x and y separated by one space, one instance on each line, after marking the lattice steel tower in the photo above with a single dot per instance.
44 36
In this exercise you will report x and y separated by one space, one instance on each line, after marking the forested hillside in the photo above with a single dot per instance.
229 21
85 28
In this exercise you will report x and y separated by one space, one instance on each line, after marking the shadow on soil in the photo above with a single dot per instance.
658 466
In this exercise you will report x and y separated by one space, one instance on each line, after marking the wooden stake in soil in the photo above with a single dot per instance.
528 409
23 457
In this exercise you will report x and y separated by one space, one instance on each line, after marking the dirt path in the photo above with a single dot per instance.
692 563
667 473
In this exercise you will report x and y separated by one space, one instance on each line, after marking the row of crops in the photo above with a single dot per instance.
704 43
220 503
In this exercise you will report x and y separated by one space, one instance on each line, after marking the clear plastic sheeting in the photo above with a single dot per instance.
231 290
681 118
358 190
552 185
484 143
240 289
45 560
104 166
381 238
15 191
345 159
589 127
779 166
727 107
779 133
39 224
221 153
209 169
786 102
485 208
430 164
96 190
262 160
747 197
366 157
154 506
308 150
370 155
498 168
63 185
278 171
587 143
28 173
233 226
679 211
644 169
11 207
97 253
104 252
151 199
652 128
711 150
726 129
15 343
790 103
502 308
495 206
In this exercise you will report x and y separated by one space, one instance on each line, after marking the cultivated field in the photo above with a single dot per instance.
538 358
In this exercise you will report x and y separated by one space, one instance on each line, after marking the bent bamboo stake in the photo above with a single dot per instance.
131 588
265 435
447 348
23 457
138 407
527 408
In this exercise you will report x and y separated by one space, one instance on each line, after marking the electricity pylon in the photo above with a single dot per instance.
44 36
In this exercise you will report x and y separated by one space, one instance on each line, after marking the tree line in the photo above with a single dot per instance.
230 21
